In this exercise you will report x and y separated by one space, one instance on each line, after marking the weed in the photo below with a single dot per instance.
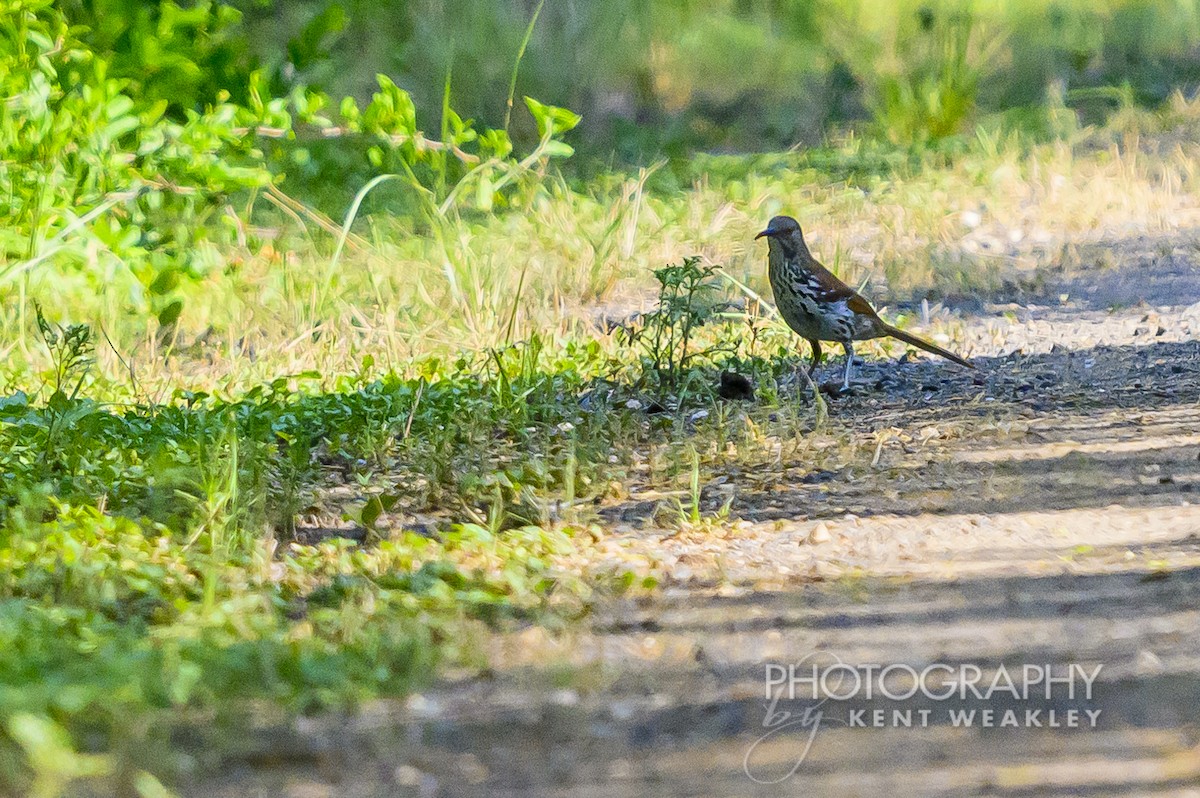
71 355
688 298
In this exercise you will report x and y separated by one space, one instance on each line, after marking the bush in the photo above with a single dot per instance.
103 177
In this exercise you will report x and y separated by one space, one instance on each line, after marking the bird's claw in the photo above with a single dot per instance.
836 389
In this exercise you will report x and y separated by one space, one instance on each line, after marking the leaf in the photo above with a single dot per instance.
171 313
391 111
371 512
166 282
496 142
551 120
351 115
558 149
485 194
15 404
49 749
186 678
148 786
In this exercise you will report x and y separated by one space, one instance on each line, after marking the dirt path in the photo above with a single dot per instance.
1043 512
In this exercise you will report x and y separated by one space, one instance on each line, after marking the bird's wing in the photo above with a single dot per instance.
832 289
859 305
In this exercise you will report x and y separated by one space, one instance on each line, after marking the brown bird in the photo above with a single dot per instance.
819 306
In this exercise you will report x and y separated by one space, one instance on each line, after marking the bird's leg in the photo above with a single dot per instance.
812 368
849 347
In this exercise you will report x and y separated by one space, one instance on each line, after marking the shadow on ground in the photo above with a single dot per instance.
667 698
1079 410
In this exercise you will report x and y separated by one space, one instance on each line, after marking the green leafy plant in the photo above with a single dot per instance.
689 296
104 179
72 353
99 179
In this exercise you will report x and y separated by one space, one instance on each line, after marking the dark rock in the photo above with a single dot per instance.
735 387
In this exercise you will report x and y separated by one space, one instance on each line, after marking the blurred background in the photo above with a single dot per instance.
667 76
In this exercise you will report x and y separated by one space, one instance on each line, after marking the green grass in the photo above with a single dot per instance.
153 569
123 630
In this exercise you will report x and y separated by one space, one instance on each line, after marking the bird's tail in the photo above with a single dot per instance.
921 343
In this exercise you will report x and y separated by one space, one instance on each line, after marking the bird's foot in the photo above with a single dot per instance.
836 389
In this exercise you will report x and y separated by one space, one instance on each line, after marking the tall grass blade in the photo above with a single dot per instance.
512 83
352 214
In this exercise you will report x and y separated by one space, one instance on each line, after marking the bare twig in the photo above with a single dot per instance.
419 142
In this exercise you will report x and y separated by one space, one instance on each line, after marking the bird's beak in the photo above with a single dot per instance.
766 232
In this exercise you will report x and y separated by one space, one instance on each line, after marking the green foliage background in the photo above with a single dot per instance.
669 75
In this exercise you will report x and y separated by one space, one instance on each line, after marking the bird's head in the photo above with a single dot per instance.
784 232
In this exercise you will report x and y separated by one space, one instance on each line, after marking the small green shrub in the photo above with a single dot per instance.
689 297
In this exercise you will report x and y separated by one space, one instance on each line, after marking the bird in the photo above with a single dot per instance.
820 307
